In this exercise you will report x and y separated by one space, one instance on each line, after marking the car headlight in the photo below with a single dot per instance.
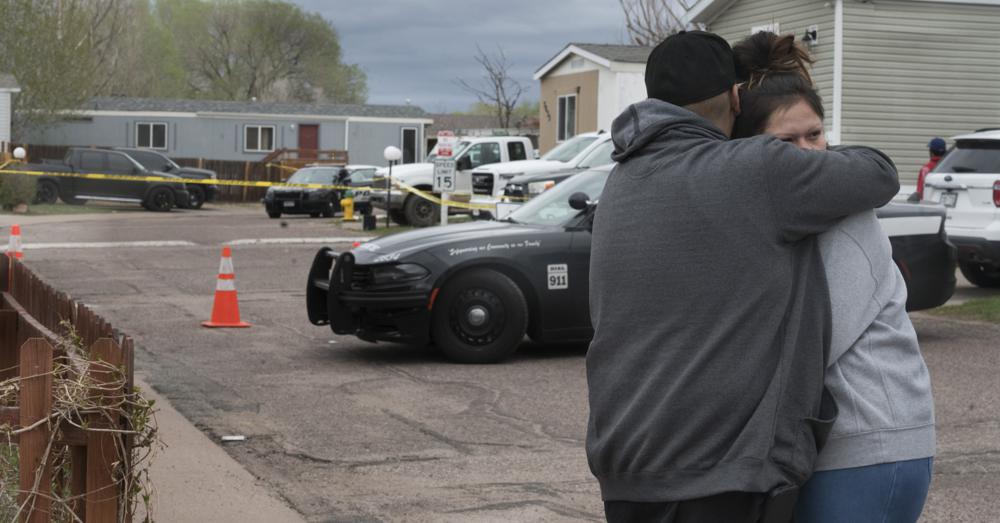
514 189
269 195
540 187
384 274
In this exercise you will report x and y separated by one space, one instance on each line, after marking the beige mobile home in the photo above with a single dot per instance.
893 73
585 86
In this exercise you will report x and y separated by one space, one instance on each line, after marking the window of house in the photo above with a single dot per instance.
515 150
151 135
258 138
409 144
566 117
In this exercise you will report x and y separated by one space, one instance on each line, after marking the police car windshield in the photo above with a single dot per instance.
552 206
569 149
314 175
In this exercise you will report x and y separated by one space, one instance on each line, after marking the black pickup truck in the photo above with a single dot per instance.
155 161
159 195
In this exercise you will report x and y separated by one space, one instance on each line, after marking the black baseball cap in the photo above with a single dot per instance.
689 67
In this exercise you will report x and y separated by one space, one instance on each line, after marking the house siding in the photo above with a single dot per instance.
915 70
792 17
5 101
585 86
219 138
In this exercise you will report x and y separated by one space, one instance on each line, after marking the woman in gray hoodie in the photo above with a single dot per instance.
876 465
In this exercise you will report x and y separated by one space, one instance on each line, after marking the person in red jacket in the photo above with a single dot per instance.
937 149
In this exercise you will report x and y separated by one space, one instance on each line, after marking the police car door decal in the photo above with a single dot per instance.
558 276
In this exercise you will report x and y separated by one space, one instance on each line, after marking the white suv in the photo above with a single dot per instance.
967 183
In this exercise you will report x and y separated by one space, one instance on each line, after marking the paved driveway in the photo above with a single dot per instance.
349 431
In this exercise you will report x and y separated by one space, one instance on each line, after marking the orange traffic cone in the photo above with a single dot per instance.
14 246
226 309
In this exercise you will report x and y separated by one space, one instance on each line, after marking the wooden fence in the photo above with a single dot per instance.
32 341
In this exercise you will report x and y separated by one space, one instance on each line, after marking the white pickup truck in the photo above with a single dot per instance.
471 152
967 183
582 152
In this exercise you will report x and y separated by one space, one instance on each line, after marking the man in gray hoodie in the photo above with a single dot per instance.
709 301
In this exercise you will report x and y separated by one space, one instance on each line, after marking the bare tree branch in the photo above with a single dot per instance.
497 88
648 22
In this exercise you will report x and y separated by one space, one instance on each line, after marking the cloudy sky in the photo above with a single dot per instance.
416 49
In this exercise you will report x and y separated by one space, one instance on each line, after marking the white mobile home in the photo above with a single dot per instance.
893 73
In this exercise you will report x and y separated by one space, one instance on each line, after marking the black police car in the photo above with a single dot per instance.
472 289
316 202
475 289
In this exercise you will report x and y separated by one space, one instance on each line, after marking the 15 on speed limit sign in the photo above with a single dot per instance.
444 175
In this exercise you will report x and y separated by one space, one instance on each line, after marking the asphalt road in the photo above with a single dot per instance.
349 431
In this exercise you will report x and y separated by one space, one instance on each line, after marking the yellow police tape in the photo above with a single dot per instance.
238 183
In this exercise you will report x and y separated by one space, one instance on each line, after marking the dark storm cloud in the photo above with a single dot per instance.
416 50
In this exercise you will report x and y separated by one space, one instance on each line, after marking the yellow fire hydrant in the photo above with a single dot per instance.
347 204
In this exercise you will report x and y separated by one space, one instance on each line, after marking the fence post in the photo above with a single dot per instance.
5 272
8 344
246 178
35 401
102 447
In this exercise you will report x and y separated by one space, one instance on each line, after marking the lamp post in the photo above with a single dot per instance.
391 155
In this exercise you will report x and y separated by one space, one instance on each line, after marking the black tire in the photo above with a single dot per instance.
274 215
196 197
496 301
328 211
46 192
398 217
980 274
160 199
420 212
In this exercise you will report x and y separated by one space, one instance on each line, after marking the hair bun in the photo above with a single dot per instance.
766 53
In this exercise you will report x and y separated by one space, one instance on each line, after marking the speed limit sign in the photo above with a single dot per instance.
444 175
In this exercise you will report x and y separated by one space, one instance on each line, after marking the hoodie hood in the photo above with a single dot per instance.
642 122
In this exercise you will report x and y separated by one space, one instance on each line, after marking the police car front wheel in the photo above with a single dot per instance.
480 317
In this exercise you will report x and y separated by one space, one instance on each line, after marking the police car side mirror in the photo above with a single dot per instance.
579 201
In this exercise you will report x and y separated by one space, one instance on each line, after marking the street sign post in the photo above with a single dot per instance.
444 175
444 169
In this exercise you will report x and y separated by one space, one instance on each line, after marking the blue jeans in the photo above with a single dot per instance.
885 493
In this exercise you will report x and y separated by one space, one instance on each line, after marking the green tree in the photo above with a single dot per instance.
57 50
263 49
146 62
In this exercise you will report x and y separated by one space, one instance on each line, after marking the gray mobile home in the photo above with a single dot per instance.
244 131
892 73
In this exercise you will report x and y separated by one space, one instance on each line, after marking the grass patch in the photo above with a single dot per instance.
980 309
